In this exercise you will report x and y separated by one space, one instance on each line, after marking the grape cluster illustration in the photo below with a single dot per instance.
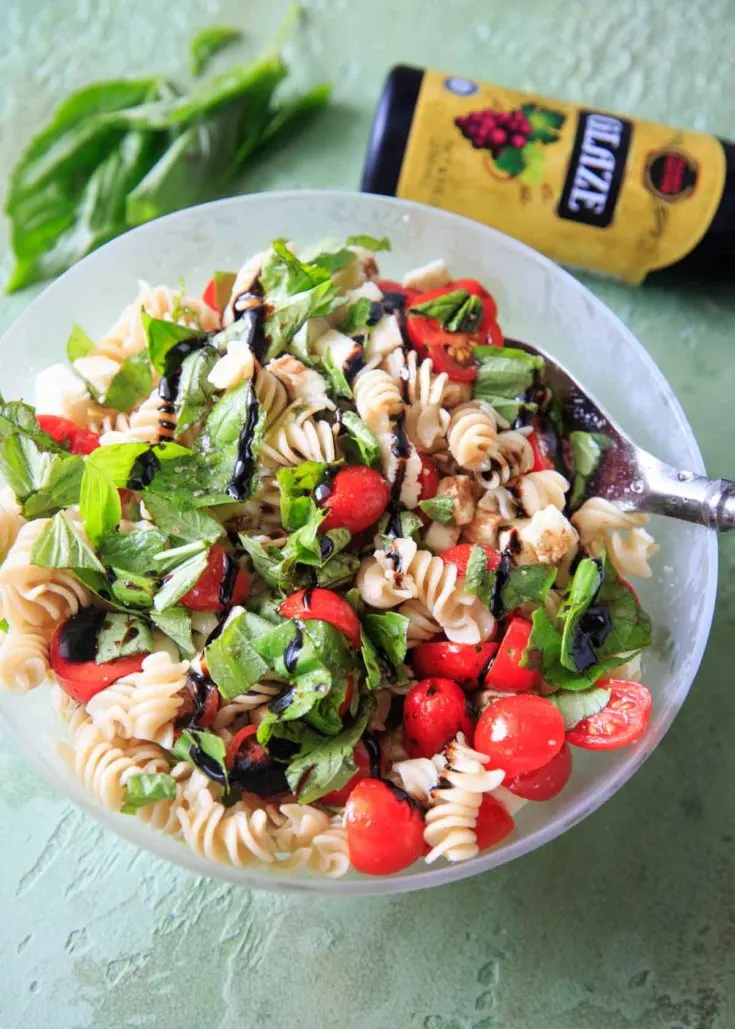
495 130
515 139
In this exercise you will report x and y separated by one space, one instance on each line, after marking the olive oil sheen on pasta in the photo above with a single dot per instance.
627 198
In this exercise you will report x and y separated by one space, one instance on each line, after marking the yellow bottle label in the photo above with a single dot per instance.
587 187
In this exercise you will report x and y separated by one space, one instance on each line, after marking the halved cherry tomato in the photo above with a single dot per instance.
519 734
327 606
75 439
546 782
434 712
358 497
459 556
237 741
217 291
457 362
541 458
493 823
83 680
384 828
429 478
200 702
361 757
462 662
623 721
506 671
208 296
207 593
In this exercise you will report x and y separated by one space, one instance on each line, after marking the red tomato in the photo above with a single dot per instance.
519 734
506 672
82 680
208 296
358 497
206 593
236 743
429 478
493 823
391 286
459 556
218 289
361 757
327 607
543 783
434 712
462 662
64 431
623 721
541 458
384 827
456 362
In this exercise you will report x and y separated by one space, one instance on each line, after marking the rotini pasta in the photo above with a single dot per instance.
24 659
603 525
296 436
377 398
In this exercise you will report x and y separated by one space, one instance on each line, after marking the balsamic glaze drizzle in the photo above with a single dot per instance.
250 309
355 363
502 574
143 471
293 650
325 486
227 586
168 387
78 635
244 468
401 449
326 547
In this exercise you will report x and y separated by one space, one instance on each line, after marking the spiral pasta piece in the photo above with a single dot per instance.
327 854
236 836
11 520
295 437
154 421
377 398
602 525
127 336
511 458
24 659
539 489
472 435
423 389
231 712
421 625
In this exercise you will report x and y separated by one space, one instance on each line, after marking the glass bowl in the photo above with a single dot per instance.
537 301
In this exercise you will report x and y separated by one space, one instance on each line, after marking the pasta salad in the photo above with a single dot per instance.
318 577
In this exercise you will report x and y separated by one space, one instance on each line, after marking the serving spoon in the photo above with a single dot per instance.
629 476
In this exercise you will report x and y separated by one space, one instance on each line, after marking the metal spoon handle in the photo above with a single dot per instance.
690 497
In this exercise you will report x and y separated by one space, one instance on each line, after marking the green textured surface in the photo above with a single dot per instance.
629 920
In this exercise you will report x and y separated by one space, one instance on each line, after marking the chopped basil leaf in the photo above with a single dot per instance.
175 622
208 42
61 489
444 308
147 788
469 316
630 629
78 344
23 466
479 580
266 560
191 525
162 336
355 601
389 633
587 448
122 635
291 312
99 502
232 661
338 570
580 596
133 590
374 243
296 486
283 272
356 317
131 383
371 659
340 387
132 551
363 445
180 580
440 509
15 416
4 627
61 545
527 584
195 392
331 764
219 441
335 260
504 372
204 751
575 707
411 528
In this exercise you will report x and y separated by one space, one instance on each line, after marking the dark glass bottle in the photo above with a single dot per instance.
626 198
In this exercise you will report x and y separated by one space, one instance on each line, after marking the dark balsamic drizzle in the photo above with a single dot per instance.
591 631
78 635
195 693
326 547
325 486
168 387
373 748
400 447
209 765
244 468
218 629
143 471
393 303
355 363
227 586
307 598
293 650
250 309
502 574
375 313
283 701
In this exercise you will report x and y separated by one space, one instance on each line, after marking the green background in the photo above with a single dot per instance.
629 920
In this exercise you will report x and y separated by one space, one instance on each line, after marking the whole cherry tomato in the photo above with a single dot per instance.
493 823
357 498
435 710
327 606
222 584
623 721
82 680
506 671
545 782
75 439
462 662
384 828
361 757
459 555
519 734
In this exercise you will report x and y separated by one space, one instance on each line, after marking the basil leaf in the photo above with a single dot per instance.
208 42
479 580
374 243
296 701
335 260
630 628
99 502
175 622
147 788
132 590
371 660
544 652
61 545
219 442
289 314
78 344
181 579
122 635
340 387
61 489
195 391
575 707
283 272
162 336
296 486
527 584
204 751
587 448
23 466
504 372
131 383
356 318
469 316
266 561
440 509
444 308
581 594
15 416
338 570
388 631
191 525
363 445
132 551
330 765
411 528
232 661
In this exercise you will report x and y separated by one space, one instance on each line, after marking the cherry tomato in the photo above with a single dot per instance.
519 734
236 743
429 478
384 828
210 592
623 721
327 607
456 361
208 296
361 757
391 286
459 555
83 680
251 768
541 458
506 671
493 823
462 662
64 431
218 289
200 701
358 497
543 783
434 712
